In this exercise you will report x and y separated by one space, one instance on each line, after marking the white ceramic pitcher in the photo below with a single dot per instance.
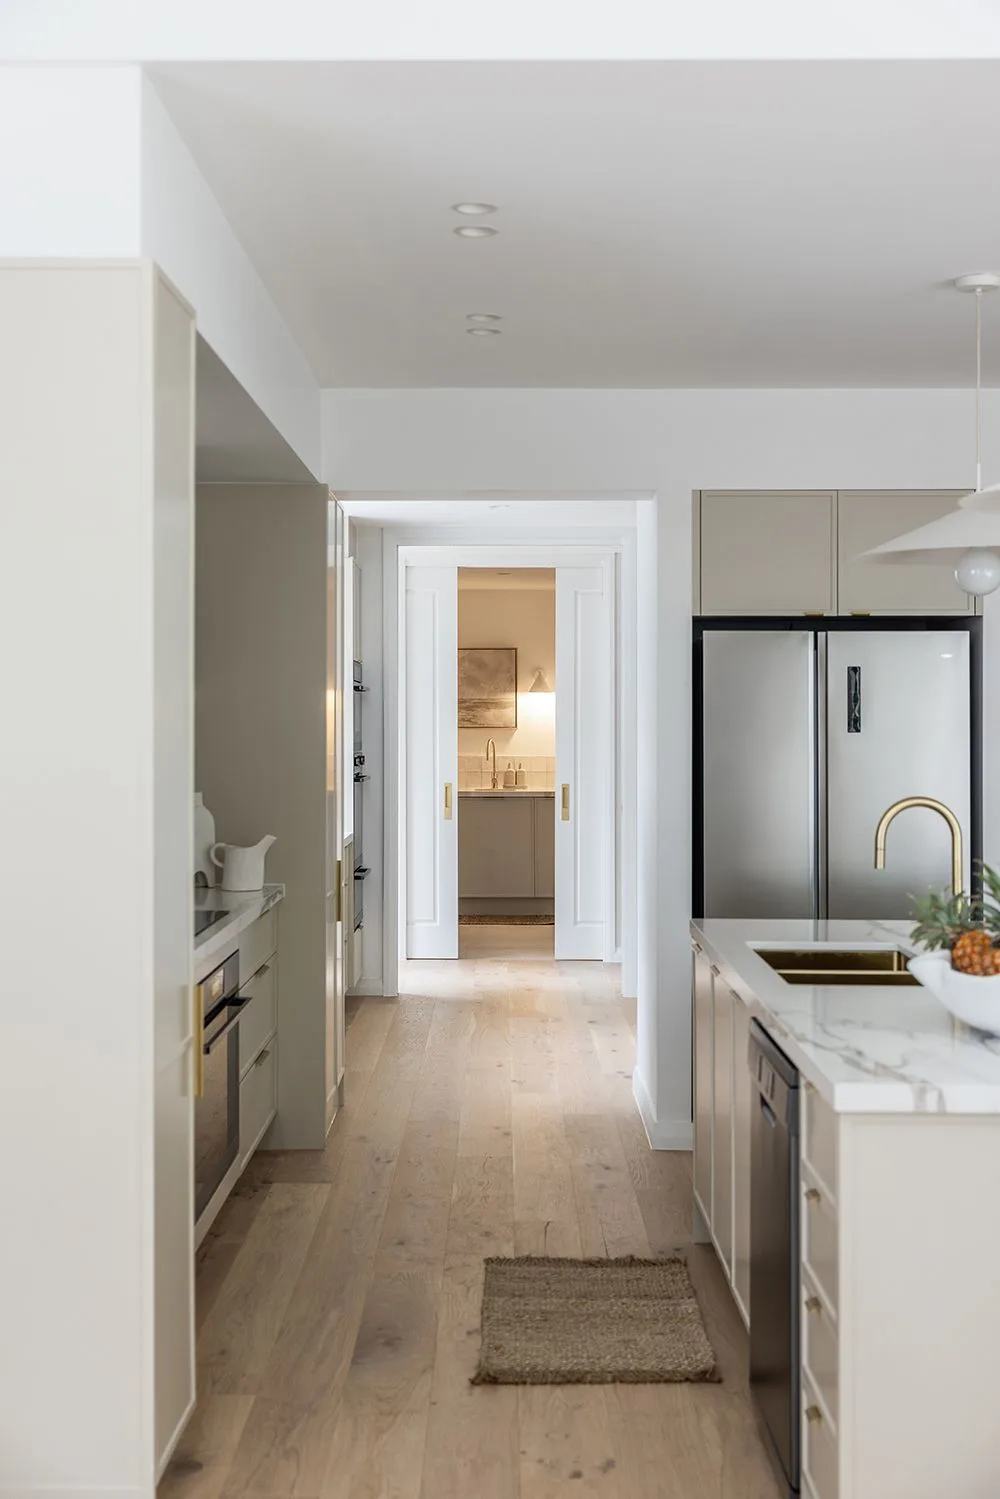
242 868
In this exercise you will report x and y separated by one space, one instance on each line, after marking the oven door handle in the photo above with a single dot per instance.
233 1021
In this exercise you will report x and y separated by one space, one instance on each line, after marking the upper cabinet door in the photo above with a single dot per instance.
767 553
868 517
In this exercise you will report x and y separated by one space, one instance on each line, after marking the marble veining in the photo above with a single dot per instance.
244 908
866 1049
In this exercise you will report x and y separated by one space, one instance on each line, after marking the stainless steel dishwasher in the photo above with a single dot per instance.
775 1381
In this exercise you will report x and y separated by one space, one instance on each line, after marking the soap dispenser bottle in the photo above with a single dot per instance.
521 779
509 778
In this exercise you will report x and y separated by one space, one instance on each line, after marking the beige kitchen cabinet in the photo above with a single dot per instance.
495 847
865 518
722 1122
743 1103
722 1103
767 553
506 849
545 846
704 1081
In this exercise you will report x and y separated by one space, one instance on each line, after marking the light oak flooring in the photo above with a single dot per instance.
489 1111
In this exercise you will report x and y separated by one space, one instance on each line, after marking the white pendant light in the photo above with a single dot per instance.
969 536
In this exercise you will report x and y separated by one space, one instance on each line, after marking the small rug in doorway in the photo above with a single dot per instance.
614 1321
491 920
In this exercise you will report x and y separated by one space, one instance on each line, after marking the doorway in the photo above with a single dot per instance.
468 847
506 754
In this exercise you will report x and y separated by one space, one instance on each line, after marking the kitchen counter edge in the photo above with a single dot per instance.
244 908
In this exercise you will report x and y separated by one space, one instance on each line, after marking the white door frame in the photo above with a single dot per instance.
403 549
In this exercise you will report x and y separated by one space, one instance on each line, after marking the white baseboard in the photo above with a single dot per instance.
84 1491
662 1134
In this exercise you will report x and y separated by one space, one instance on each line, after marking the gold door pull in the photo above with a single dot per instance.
447 802
565 802
198 1041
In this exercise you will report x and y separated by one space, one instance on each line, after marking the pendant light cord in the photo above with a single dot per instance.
979 393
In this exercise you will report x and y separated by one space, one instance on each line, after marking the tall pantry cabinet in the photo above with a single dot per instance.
269 677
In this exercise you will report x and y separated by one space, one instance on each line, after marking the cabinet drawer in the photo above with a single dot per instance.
258 1100
819 1346
819 1237
257 944
259 1016
820 1138
819 1447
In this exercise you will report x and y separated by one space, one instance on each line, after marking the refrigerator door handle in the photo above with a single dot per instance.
854 699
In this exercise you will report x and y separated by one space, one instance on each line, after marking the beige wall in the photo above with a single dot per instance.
525 619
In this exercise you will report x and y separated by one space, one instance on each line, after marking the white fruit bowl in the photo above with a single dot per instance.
974 1000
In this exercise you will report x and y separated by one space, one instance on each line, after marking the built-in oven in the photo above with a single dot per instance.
360 779
217 1080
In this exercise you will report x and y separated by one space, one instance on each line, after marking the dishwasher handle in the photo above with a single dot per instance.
776 1079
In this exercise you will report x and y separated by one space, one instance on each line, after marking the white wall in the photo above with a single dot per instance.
178 29
69 166
95 903
185 231
671 443
525 619
93 166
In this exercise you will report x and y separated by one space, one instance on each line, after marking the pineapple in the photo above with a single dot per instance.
969 928
974 953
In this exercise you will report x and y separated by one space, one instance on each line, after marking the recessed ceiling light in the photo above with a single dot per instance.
474 231
473 210
484 317
484 332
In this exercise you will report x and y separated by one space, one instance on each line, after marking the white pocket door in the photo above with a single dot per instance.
584 739
430 749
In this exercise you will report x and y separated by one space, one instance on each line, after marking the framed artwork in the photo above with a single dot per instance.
487 687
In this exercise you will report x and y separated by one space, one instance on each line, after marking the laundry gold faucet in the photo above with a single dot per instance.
889 815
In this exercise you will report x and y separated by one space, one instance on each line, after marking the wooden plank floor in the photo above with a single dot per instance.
489 1111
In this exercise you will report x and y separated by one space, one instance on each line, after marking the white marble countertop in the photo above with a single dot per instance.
867 1050
242 907
505 791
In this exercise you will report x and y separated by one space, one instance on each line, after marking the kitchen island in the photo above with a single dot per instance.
898 1212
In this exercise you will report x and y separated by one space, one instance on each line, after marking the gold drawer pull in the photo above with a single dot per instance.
565 802
813 1194
813 1413
260 1060
447 801
813 1304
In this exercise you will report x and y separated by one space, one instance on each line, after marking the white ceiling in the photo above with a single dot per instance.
661 224
234 441
501 510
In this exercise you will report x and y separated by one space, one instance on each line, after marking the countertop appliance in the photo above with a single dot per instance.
203 920
217 1081
775 1289
805 732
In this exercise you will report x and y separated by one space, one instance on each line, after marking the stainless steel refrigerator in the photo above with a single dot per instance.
804 735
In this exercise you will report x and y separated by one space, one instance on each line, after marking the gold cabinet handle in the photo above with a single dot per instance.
198 1041
813 1194
565 802
813 1304
447 801
259 1061
340 892
813 1413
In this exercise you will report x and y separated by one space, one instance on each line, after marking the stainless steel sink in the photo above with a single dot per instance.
827 965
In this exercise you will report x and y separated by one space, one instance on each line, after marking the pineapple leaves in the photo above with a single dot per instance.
941 918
